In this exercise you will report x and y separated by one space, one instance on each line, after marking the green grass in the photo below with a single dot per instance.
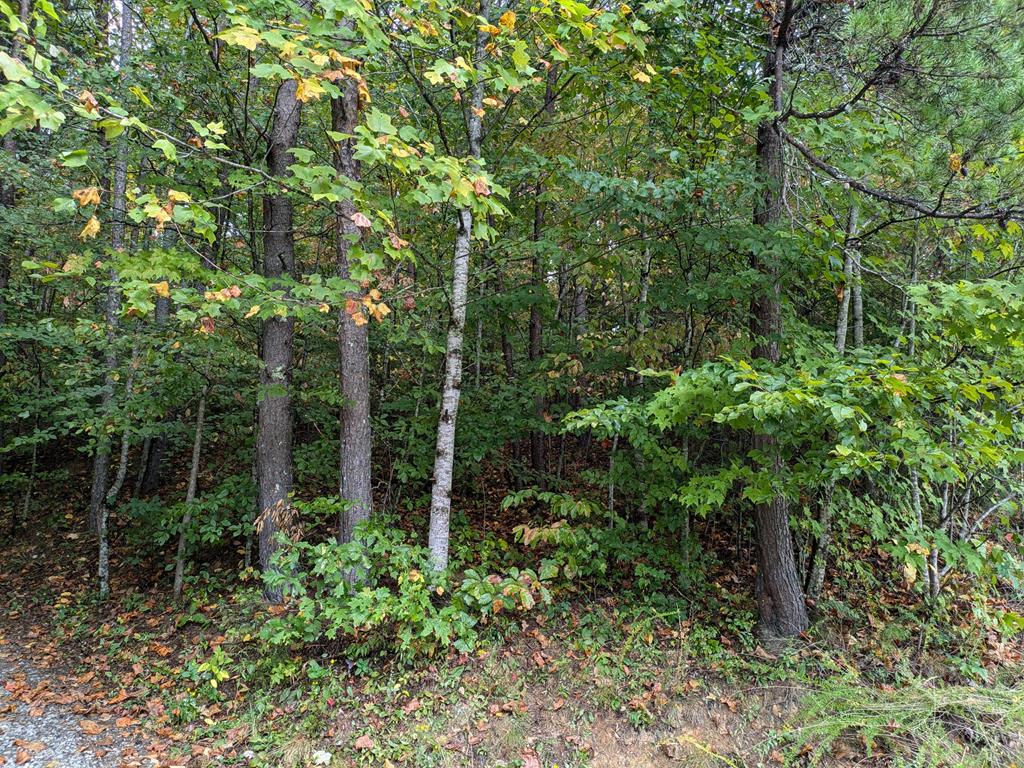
921 724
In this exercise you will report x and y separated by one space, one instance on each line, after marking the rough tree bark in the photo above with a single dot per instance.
444 452
274 438
353 339
781 608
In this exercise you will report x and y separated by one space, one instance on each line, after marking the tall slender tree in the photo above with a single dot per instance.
353 337
274 471
781 608
444 451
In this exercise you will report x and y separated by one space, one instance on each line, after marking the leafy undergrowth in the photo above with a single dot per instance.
589 681
595 677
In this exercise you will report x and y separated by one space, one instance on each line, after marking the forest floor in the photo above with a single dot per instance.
141 682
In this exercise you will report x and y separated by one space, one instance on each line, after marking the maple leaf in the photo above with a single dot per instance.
360 220
508 20
309 89
253 311
480 186
87 196
162 289
90 230
87 100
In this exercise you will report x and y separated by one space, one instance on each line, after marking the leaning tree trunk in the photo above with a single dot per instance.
444 452
274 438
190 492
781 608
353 338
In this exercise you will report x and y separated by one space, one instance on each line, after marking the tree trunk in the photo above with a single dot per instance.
274 438
849 260
444 452
353 339
190 495
99 512
538 460
155 447
8 199
781 608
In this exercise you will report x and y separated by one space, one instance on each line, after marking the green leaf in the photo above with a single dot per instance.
167 148
75 158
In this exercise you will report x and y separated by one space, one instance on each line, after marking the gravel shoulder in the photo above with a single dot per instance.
39 728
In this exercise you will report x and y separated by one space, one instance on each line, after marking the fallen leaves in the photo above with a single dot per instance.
91 727
364 742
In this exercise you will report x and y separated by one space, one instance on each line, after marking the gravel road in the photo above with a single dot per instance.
44 734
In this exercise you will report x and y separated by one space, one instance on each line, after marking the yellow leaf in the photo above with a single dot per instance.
309 89
242 35
955 162
508 20
162 289
490 101
87 100
253 311
325 308
91 229
490 29
87 196
642 77
178 197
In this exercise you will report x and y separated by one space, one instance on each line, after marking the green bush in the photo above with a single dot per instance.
379 594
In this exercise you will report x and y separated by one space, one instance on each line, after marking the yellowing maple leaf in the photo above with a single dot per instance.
242 35
642 77
87 100
253 311
90 230
309 89
87 196
162 289
508 20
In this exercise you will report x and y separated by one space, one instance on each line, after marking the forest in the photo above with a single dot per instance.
512 383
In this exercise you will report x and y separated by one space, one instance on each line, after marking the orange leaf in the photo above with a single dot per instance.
364 742
90 727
